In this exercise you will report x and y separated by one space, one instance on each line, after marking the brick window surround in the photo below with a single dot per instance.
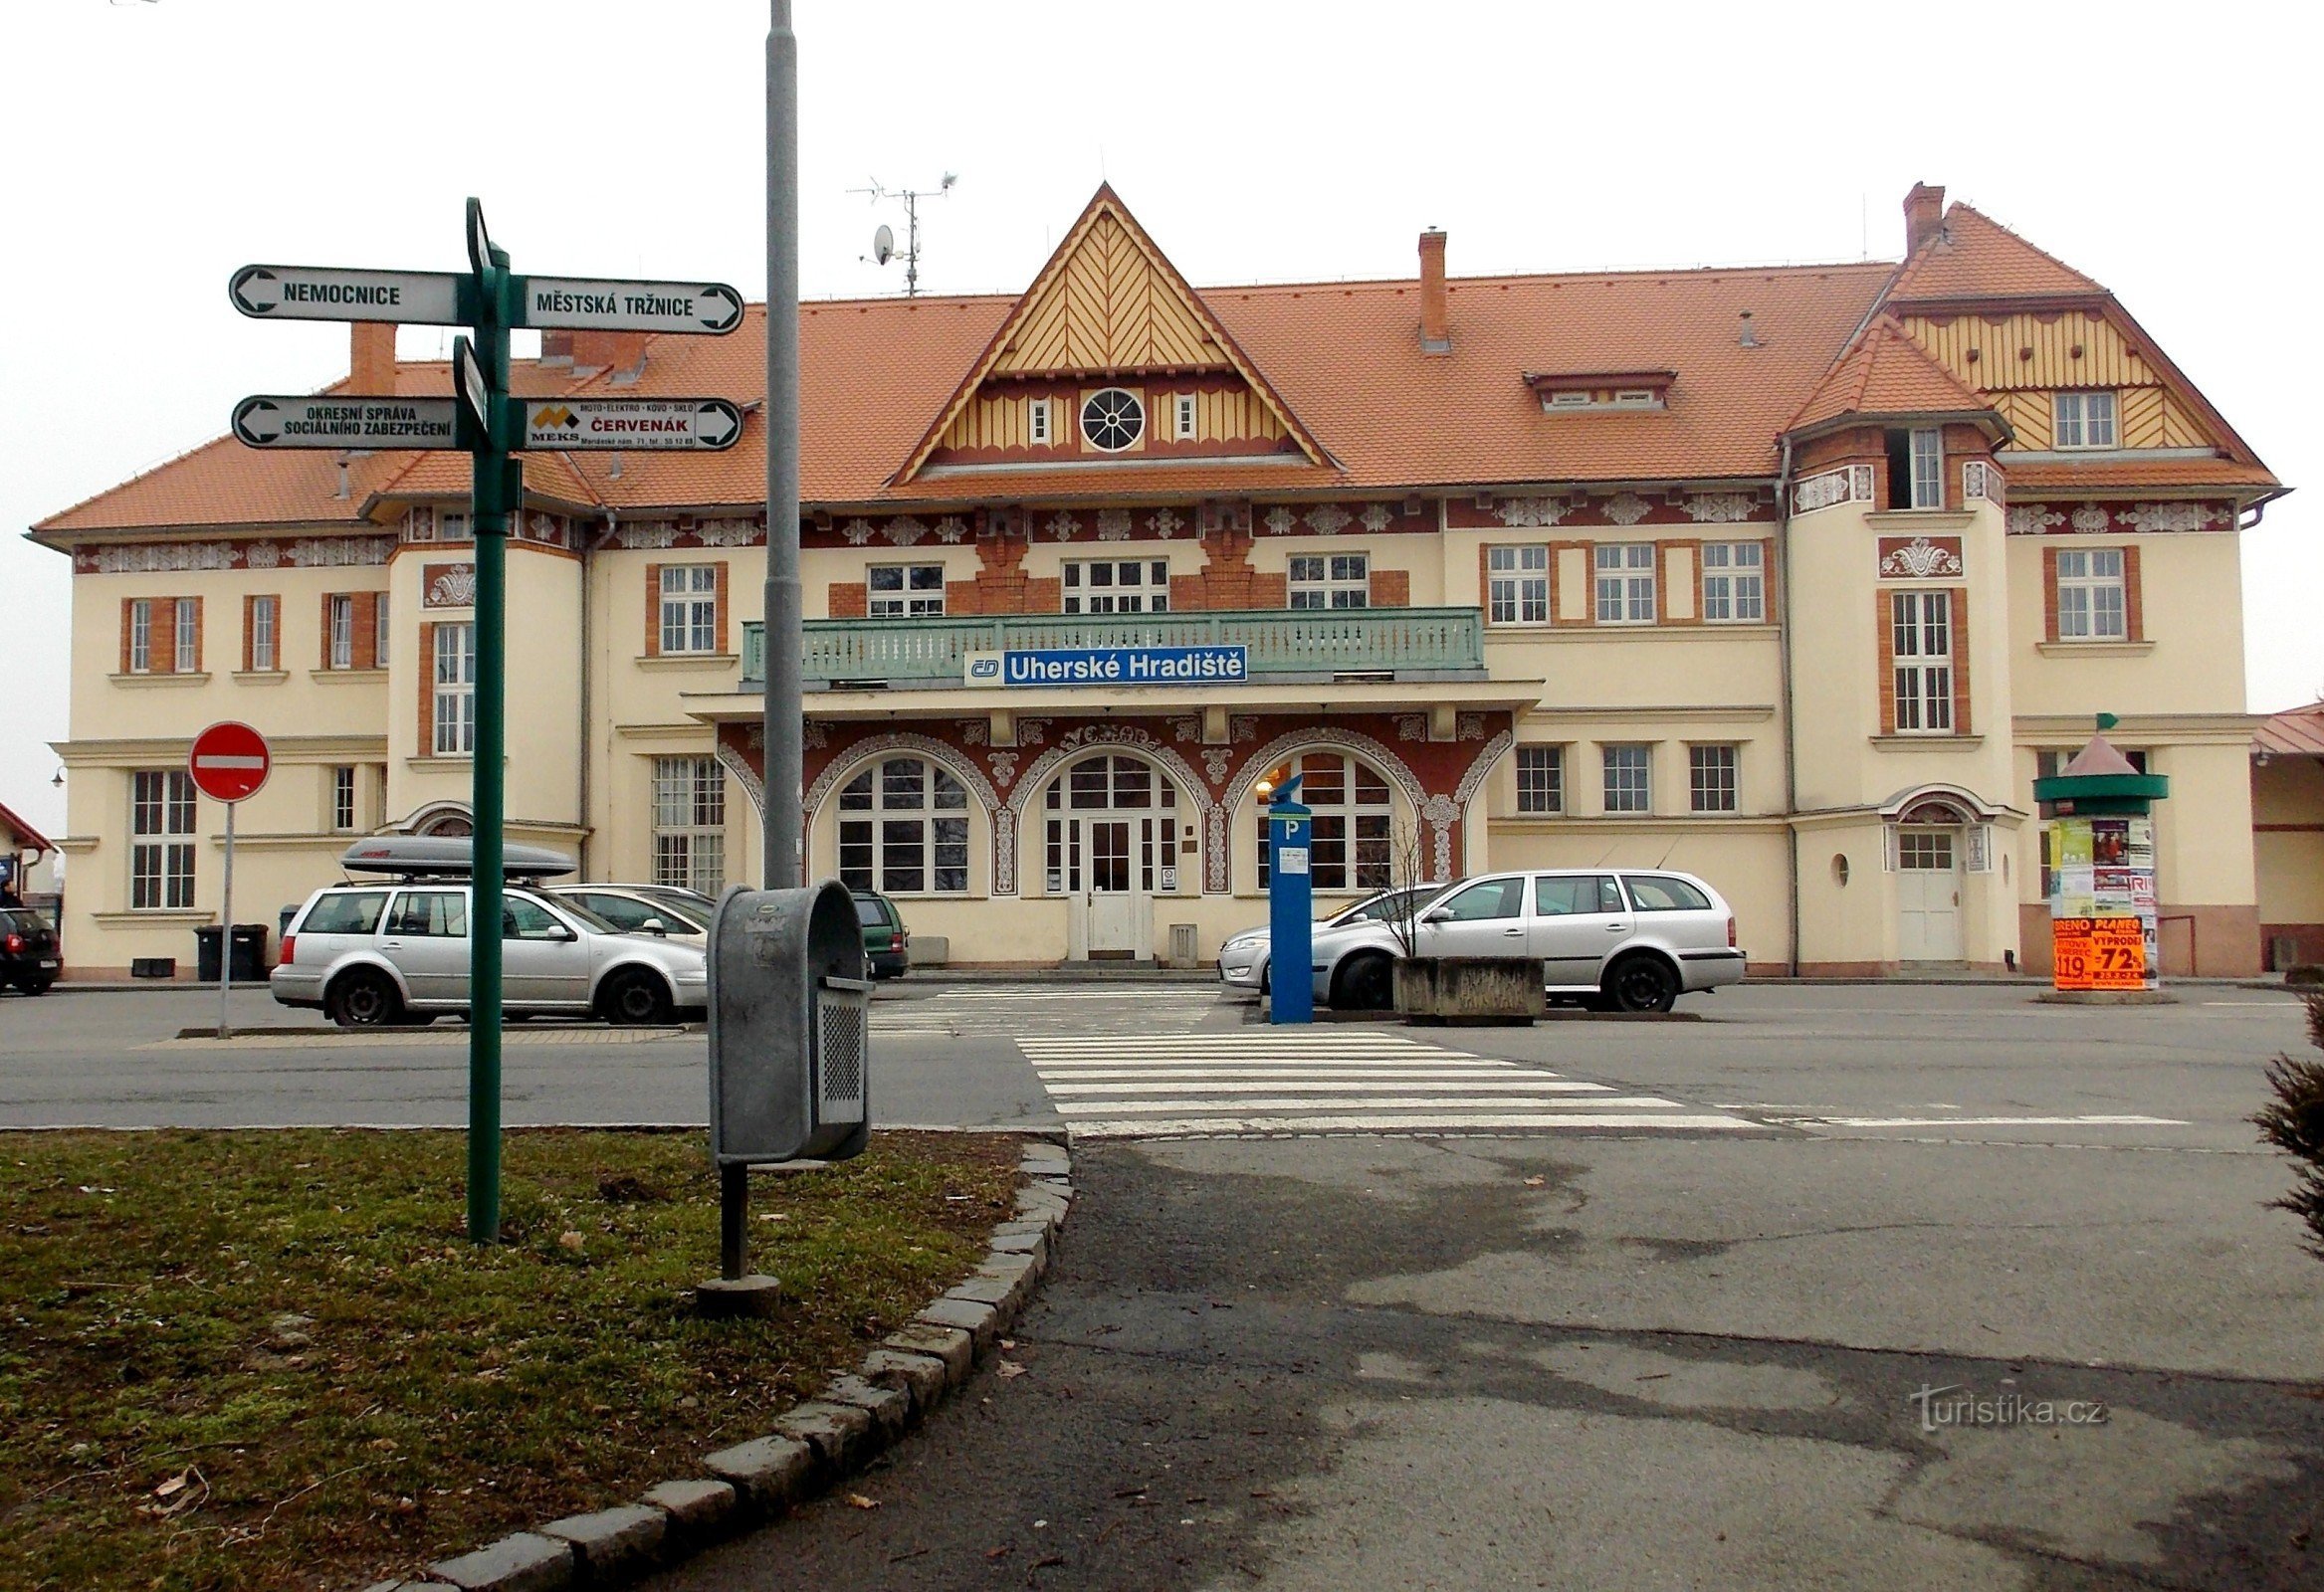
719 641
2133 607
159 639
363 609
1884 620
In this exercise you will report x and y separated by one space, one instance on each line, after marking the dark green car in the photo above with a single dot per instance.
886 942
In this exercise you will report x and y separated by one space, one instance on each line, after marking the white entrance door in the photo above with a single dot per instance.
1111 844
1928 896
1115 902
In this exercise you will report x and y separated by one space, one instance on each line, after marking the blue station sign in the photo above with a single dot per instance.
1112 666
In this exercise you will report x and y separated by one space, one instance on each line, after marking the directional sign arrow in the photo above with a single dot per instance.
479 242
470 382
641 424
270 421
584 303
326 293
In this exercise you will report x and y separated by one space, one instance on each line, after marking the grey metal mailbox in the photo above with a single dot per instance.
789 1027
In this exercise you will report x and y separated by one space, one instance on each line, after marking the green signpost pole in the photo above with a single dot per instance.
499 490
481 418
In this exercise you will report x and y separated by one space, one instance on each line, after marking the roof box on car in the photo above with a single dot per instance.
447 855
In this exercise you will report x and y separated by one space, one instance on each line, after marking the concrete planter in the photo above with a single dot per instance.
1470 989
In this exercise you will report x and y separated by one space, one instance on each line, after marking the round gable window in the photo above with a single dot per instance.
1113 419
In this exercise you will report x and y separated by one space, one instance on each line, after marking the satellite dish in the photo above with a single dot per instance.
883 243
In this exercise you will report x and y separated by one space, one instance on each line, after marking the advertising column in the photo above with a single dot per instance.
2100 847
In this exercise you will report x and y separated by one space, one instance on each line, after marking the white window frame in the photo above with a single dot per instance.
1634 397
1327 580
2093 594
1115 586
1541 780
1625 582
185 636
1921 646
1571 399
1517 584
1183 414
689 613
343 797
1351 837
689 824
2085 420
903 828
452 526
1734 582
452 697
141 636
1621 761
379 630
1039 431
161 843
265 625
1926 448
914 597
1714 777
343 631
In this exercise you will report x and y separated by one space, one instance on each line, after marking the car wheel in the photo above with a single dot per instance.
1642 984
1267 979
635 998
36 986
364 998
1366 984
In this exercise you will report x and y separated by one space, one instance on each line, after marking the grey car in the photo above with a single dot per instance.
1243 960
1629 939
369 954
643 909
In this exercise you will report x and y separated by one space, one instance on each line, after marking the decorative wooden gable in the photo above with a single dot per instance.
2018 326
1108 314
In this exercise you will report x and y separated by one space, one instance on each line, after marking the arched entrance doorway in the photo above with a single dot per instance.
1930 841
1110 844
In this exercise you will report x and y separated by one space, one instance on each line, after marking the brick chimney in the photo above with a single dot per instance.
372 358
1924 213
1435 323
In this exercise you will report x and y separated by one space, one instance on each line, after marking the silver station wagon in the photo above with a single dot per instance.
370 954
1623 939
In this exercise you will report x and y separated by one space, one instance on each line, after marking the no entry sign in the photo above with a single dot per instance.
229 761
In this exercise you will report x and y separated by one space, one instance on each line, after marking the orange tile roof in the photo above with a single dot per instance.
1972 257
2297 731
1345 358
1884 372
2028 479
25 834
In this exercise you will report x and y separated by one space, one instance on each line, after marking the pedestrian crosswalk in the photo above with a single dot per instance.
1326 1080
1008 1010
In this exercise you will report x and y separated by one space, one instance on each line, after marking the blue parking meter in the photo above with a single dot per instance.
1291 920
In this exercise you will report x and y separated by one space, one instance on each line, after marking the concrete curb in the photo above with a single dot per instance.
813 1445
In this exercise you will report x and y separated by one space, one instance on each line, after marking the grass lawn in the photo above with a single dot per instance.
272 1359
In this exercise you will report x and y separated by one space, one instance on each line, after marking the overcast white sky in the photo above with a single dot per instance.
152 146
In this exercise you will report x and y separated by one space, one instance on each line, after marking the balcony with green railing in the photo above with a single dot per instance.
1284 644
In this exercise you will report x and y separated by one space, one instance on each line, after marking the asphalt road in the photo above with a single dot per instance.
1912 1062
1571 1357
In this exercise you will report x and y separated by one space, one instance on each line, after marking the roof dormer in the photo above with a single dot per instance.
1600 391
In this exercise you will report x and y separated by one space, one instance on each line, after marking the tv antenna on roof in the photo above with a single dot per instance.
884 240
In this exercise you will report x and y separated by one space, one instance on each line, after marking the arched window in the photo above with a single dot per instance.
1354 841
1112 827
904 829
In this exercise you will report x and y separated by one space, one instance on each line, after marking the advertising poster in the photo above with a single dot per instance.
2103 903
2073 887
